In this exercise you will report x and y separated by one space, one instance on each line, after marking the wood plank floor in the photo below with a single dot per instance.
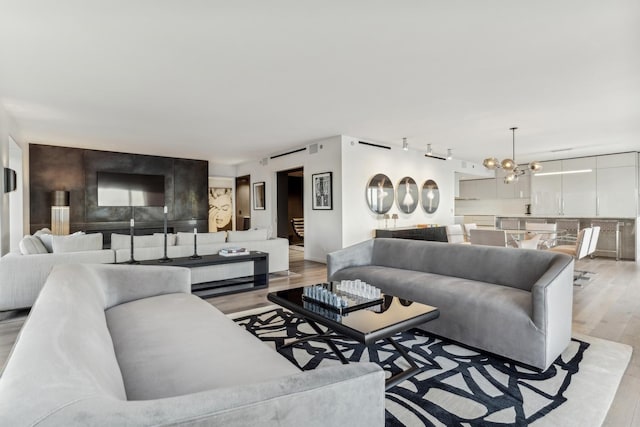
607 306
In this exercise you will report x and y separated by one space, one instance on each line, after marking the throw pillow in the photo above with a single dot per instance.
45 236
77 243
203 238
31 245
247 235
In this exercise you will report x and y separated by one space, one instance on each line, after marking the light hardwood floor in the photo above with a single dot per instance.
607 306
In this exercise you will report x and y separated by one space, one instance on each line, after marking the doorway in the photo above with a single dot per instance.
243 202
290 187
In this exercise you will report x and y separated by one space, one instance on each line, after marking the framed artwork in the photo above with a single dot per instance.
322 191
407 195
379 193
258 196
430 196
220 209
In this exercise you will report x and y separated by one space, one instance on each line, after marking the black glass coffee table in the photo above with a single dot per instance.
366 326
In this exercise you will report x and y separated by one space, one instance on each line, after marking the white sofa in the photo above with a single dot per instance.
22 276
181 245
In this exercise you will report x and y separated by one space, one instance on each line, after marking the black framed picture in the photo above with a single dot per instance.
258 196
322 191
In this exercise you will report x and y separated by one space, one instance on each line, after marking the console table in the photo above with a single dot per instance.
259 280
436 234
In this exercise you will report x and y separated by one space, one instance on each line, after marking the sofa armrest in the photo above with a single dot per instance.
355 255
552 304
124 283
23 276
350 395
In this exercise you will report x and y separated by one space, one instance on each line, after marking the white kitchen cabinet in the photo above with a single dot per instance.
503 191
579 189
478 189
546 190
617 195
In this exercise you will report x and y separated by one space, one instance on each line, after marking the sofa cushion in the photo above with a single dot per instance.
77 243
123 241
175 344
247 235
203 238
31 245
46 238
171 238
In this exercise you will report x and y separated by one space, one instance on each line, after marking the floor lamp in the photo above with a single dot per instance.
60 212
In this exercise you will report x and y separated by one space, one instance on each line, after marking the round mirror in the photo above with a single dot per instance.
407 195
380 194
430 196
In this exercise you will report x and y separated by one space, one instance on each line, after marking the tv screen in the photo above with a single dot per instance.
129 189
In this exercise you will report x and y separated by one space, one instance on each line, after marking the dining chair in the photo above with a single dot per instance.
594 240
547 240
455 233
580 249
480 236
467 230
530 243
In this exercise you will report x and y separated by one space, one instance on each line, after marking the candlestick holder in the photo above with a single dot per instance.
165 258
195 248
132 260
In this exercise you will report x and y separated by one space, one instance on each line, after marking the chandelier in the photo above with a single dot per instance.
510 165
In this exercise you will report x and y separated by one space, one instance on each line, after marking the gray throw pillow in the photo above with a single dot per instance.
31 245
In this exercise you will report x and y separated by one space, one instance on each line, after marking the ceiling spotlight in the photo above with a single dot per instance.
429 150
449 155
510 165
405 144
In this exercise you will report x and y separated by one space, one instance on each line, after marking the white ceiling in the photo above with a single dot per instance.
230 81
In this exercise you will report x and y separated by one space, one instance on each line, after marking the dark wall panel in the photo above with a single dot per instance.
75 170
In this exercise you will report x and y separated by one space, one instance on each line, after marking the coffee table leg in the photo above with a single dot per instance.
324 336
394 380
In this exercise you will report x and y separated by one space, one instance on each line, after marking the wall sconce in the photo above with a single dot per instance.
60 212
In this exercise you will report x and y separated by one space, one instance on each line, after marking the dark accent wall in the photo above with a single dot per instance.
75 170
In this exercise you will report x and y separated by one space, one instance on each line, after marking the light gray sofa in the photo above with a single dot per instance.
128 345
23 276
516 303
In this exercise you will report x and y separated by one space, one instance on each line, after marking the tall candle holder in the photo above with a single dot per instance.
165 258
132 223
195 245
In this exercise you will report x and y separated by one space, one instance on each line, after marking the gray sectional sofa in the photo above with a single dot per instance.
128 345
516 303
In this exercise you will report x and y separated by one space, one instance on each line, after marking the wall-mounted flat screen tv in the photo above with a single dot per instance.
129 189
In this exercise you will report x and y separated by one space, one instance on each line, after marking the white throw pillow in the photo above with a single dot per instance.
203 238
247 235
31 245
46 238
123 241
77 243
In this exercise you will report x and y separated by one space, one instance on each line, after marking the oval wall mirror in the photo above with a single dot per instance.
380 194
407 196
430 196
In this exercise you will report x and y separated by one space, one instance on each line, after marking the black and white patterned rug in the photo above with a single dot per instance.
457 386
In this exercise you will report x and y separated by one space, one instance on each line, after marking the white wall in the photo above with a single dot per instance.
323 229
16 217
360 163
222 170
8 128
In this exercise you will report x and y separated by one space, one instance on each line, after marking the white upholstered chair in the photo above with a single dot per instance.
455 234
467 230
580 249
